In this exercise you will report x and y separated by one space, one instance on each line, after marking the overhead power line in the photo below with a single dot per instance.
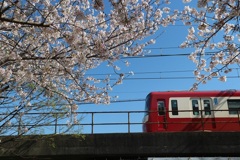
157 55
169 78
150 48
80 103
166 55
165 78
153 72
159 78
150 72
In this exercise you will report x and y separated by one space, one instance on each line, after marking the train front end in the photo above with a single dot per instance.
146 115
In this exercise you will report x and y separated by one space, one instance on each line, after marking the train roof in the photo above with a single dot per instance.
216 93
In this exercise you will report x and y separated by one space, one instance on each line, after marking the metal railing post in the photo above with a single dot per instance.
129 122
92 123
56 122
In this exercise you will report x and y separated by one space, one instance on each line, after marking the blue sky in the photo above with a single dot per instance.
147 70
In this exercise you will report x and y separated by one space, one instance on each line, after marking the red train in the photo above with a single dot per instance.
176 111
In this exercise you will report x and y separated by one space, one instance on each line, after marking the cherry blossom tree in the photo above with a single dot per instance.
213 28
47 46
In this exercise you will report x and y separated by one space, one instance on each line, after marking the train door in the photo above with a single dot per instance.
202 109
162 123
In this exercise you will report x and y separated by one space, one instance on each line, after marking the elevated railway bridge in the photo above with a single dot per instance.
117 144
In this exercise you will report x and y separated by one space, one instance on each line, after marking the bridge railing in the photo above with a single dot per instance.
110 121
88 122
104 122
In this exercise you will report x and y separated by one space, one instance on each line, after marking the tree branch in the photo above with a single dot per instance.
24 23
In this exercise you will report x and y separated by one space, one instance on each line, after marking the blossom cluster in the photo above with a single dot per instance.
47 46
214 29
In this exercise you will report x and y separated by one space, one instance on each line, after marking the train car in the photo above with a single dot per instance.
178 111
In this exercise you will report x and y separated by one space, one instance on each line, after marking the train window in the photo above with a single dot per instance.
207 107
174 105
161 108
233 106
195 107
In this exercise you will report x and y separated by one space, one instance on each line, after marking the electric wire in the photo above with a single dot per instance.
165 55
154 72
83 103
